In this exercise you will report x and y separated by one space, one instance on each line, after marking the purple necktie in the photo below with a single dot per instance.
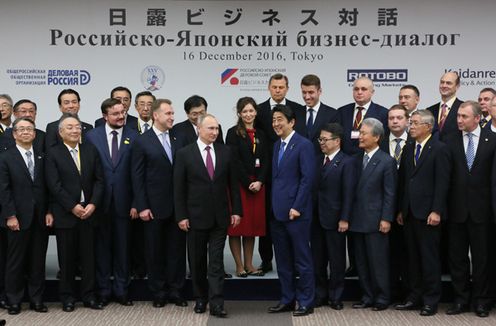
115 148
210 163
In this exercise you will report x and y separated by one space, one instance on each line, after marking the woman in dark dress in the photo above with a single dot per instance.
250 150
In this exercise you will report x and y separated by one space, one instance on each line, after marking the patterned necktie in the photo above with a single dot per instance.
444 113
30 164
167 146
470 154
146 126
281 153
365 161
310 121
210 163
114 148
358 118
417 153
397 150
74 154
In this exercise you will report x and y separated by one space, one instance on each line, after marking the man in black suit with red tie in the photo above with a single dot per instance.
278 89
445 112
206 201
422 194
470 211
76 183
25 215
152 174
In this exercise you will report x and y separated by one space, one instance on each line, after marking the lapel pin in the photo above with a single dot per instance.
126 141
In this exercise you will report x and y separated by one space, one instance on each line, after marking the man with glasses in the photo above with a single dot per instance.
122 94
335 187
5 112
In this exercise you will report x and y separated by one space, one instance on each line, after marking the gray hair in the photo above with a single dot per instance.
376 126
66 116
8 98
202 117
476 108
426 116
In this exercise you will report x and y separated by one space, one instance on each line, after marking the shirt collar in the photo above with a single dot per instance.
108 129
366 106
273 103
476 132
288 139
372 152
202 145
23 151
450 102
403 137
422 144
70 148
332 156
315 107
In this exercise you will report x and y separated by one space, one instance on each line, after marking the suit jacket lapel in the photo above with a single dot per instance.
483 142
198 156
368 169
103 142
124 145
20 161
423 155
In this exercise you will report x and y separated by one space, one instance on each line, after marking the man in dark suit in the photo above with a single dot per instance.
409 97
69 102
445 112
485 97
24 109
293 167
76 183
473 176
278 88
194 107
113 142
373 212
5 112
351 115
25 215
152 174
309 121
206 201
335 186
491 125
122 94
422 194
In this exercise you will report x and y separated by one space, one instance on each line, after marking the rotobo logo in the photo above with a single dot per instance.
379 75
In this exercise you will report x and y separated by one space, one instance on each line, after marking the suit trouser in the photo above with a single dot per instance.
137 240
400 283
372 263
336 256
265 242
423 243
165 256
292 251
80 238
3 259
112 255
320 260
199 243
26 255
462 237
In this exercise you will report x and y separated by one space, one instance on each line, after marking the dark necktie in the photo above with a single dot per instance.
417 153
114 148
365 161
358 118
146 126
327 161
397 151
310 121
444 113
210 163
483 122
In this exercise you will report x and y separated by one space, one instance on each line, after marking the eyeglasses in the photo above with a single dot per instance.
70 127
324 140
5 106
23 129
418 123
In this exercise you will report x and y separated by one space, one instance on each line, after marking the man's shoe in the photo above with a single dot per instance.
200 307
4 304
92 304
14 309
281 307
350 272
361 305
159 302
3 322
457 308
266 267
218 311
319 302
68 306
38 307
123 301
336 305
428 310
379 307
303 311
104 301
178 301
408 305
481 311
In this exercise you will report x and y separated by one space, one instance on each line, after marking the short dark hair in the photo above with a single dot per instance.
68 91
144 93
311 80
16 121
412 87
400 108
108 103
16 105
279 76
285 110
488 89
335 129
121 89
194 102
158 102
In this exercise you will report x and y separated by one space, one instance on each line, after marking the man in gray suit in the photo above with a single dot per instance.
372 215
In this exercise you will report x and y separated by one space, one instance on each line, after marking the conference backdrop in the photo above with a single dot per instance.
224 50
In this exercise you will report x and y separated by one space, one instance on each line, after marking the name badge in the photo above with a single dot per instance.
355 134
257 163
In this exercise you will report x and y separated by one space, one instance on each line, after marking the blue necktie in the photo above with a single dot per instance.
417 153
365 161
310 121
470 151
281 153
166 145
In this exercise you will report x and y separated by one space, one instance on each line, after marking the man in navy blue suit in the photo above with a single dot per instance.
351 115
293 167
165 244
373 212
485 97
335 189
113 142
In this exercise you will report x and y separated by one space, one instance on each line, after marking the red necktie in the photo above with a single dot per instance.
358 118
210 163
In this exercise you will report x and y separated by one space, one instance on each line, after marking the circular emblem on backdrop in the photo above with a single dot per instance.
152 78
